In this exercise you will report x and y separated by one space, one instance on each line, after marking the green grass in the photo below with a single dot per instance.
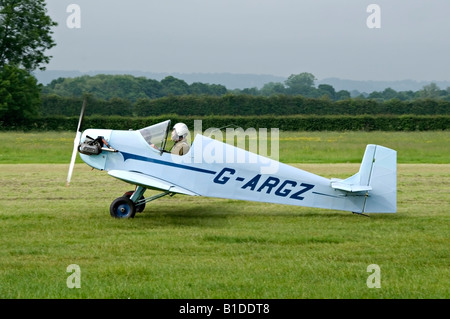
39 147
348 147
294 147
194 247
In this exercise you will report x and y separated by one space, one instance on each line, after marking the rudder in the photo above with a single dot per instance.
379 171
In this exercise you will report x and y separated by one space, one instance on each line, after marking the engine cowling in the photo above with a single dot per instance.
91 146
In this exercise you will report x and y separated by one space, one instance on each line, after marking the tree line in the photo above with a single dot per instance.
286 123
245 105
21 97
127 95
134 88
128 87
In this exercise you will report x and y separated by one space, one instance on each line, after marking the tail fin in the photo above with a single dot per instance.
377 177
383 179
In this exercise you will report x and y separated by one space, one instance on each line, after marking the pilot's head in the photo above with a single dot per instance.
180 131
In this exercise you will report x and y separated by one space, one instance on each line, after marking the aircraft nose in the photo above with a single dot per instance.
91 147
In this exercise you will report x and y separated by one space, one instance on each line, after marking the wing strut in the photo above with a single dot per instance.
152 198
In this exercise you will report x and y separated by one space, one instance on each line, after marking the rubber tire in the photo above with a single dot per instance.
122 207
139 208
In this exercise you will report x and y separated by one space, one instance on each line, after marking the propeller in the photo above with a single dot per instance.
76 142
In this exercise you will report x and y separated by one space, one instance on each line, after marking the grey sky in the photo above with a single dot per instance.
329 38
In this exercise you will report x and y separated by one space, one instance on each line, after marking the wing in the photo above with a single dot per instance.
148 181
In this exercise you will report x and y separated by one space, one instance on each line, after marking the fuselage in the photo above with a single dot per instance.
215 169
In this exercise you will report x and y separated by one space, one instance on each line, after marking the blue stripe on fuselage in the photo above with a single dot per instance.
127 156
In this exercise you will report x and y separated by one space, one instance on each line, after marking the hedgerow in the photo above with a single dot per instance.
285 123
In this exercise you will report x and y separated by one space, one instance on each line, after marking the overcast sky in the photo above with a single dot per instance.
328 38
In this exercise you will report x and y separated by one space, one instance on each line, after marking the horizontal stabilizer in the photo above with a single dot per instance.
360 181
353 188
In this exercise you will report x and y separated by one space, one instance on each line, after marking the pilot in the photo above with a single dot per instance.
179 133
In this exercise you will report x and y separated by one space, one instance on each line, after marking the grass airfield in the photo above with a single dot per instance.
195 247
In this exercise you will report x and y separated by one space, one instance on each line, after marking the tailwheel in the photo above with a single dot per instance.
139 207
122 207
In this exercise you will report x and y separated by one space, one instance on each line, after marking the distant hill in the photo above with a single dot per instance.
242 81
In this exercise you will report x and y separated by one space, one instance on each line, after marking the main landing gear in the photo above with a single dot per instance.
132 202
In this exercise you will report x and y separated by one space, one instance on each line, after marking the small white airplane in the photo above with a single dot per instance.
139 158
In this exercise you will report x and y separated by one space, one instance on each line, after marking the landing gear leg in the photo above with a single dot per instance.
138 198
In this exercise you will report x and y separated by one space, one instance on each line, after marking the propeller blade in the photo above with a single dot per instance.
80 121
76 142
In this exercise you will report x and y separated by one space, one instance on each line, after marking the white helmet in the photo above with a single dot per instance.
181 130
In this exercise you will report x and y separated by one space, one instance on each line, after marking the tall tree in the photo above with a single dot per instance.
327 90
25 33
174 86
430 91
302 83
19 94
